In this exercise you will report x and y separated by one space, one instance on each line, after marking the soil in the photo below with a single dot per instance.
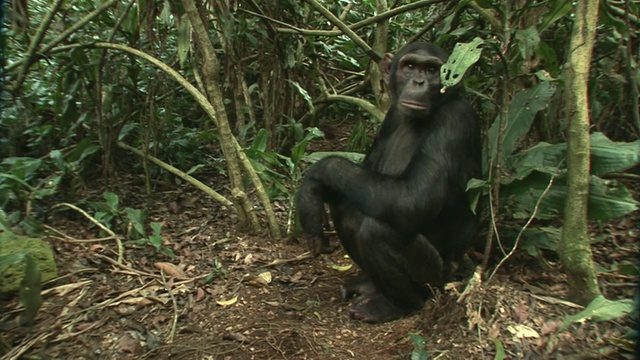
227 295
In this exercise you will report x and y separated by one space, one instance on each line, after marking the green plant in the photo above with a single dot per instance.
21 187
280 186
129 220
533 184
419 352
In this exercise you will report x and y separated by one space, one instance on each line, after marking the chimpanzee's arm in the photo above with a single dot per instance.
441 166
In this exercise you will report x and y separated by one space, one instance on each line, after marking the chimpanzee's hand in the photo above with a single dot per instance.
318 245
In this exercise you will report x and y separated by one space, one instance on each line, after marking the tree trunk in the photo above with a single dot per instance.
574 249
236 159
380 46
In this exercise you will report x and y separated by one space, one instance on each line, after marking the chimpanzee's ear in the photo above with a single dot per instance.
385 66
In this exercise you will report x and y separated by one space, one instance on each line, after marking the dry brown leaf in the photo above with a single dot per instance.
170 270
128 344
256 280
521 313
549 327
227 302
63 290
522 331
200 294
97 248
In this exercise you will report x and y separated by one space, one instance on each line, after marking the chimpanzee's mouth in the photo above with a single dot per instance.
414 105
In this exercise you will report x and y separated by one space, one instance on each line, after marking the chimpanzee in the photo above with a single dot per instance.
403 215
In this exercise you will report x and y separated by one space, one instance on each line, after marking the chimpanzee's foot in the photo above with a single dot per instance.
355 286
375 308
318 245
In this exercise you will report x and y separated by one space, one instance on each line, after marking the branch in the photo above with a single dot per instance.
345 29
365 105
26 60
188 178
29 57
360 24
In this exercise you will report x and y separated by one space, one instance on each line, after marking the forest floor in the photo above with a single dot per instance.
231 296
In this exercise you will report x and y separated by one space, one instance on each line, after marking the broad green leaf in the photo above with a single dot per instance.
608 156
156 228
608 199
476 184
600 309
534 239
56 156
22 167
522 110
112 200
463 56
542 157
528 42
559 9
298 150
260 141
136 218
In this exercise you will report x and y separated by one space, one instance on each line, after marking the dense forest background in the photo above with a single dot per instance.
137 133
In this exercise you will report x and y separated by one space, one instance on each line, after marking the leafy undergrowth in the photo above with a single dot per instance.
228 296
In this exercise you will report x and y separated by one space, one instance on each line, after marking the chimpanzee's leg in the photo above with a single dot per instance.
403 271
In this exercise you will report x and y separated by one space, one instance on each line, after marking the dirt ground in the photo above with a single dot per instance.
230 296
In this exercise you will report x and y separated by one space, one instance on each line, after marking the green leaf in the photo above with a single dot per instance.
418 352
11 259
304 94
542 157
608 199
341 267
559 9
30 288
606 157
609 156
463 56
136 218
543 238
56 156
298 150
112 201
522 110
499 348
194 169
476 184
528 42
156 228
600 309
22 167
259 144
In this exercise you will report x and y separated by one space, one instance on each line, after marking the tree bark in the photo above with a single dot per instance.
380 46
574 249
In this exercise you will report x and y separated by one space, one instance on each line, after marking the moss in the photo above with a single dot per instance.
11 274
